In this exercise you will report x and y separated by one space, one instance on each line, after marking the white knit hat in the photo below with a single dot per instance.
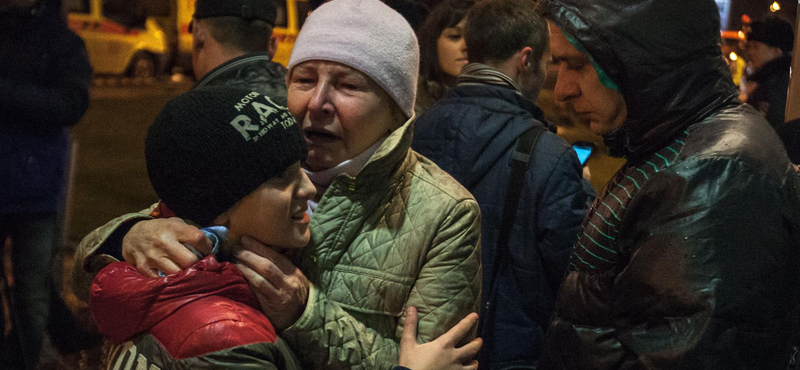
368 36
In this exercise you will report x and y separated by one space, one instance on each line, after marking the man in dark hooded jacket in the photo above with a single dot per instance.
690 259
471 133
232 45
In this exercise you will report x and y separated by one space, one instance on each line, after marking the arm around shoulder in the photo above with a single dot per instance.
96 250
446 290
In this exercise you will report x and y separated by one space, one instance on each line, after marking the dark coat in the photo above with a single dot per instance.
44 87
253 71
690 259
769 96
471 133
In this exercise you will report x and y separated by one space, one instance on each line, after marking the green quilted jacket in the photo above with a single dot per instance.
401 233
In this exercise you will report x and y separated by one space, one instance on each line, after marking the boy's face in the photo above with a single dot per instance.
275 213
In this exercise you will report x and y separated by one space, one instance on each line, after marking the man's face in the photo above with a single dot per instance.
579 86
759 53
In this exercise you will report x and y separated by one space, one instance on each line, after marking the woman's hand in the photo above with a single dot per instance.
440 354
281 288
155 245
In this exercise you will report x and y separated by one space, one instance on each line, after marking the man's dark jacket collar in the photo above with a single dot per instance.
253 71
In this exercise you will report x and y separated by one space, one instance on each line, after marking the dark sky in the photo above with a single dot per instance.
759 8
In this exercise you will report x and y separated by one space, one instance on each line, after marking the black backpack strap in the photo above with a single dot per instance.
520 159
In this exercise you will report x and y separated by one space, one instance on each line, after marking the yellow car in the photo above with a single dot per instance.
118 41
290 17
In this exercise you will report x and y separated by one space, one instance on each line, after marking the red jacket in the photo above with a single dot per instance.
206 308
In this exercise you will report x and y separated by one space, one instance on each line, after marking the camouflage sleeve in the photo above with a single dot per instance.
89 257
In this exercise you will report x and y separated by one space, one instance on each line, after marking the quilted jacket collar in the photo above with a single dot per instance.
386 165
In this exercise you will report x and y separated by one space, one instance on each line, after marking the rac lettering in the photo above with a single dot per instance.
269 116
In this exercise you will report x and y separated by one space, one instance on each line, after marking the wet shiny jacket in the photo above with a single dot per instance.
689 260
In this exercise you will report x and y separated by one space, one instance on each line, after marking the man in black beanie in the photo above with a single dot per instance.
769 46
216 157
232 45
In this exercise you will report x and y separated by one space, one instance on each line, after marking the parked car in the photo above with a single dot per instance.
119 37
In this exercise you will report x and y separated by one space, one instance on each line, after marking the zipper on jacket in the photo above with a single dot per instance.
793 359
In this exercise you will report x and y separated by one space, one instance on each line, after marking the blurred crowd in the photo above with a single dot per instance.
423 186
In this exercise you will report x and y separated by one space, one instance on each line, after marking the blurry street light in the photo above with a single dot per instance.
775 7
733 56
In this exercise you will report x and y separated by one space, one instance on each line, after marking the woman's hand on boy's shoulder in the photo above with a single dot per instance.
281 288
156 245
441 353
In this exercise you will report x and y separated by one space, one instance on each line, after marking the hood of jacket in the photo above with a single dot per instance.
125 303
474 126
664 56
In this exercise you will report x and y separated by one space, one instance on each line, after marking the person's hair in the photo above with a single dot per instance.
496 29
414 11
249 36
445 15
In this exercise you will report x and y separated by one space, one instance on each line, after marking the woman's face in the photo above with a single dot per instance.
275 213
452 49
341 111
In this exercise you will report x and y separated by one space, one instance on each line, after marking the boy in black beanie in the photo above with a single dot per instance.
215 156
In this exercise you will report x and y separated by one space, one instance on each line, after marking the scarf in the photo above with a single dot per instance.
481 74
323 179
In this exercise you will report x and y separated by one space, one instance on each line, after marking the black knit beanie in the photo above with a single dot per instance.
774 32
264 10
211 147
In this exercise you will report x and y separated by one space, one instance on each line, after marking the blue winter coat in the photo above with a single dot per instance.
471 133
